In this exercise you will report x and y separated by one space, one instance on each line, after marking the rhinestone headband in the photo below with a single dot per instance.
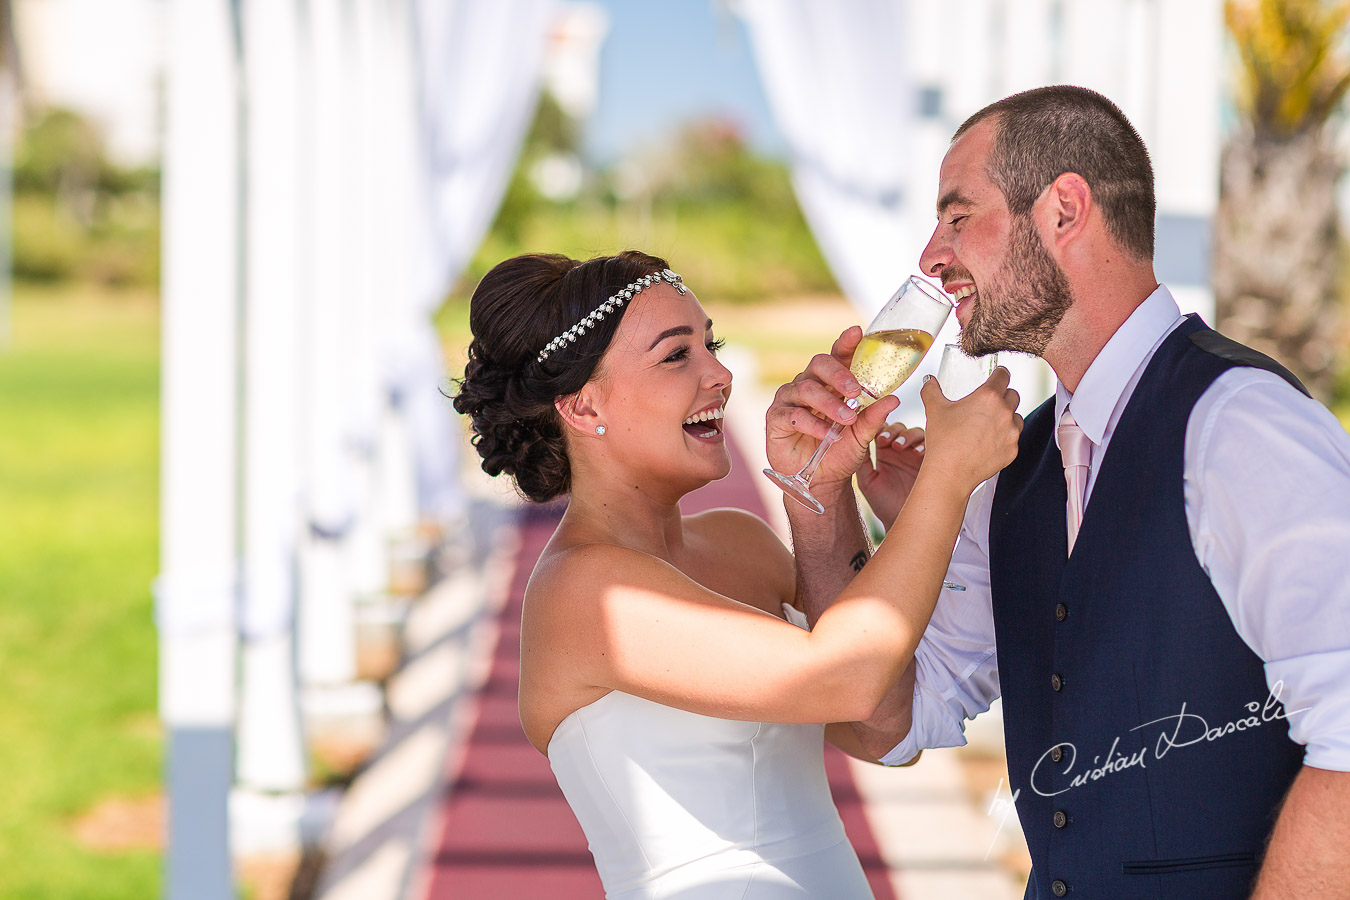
570 335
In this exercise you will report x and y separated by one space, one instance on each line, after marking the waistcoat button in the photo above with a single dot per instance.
1056 681
1058 888
1061 612
1056 753
1060 818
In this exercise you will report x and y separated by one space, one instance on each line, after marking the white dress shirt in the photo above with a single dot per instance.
1267 497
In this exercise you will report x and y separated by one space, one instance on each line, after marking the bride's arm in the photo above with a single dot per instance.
833 547
769 564
627 621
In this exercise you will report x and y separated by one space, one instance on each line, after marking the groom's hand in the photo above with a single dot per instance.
804 409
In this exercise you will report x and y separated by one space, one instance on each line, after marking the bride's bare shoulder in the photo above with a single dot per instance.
570 569
746 542
727 521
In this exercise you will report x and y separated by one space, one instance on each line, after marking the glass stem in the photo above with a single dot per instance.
809 470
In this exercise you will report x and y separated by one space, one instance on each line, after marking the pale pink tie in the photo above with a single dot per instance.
1076 449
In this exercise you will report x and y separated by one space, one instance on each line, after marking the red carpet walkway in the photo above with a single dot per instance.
505 831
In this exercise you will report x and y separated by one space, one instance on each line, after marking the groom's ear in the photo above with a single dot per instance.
1067 208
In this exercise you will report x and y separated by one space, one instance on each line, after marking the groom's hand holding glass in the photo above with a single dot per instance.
804 409
883 358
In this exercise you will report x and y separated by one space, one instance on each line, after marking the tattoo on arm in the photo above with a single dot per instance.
858 561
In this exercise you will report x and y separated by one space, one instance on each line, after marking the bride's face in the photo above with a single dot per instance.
660 391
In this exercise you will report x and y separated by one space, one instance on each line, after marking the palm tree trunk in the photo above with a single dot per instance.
1276 252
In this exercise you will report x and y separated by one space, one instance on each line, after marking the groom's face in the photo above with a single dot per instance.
1010 293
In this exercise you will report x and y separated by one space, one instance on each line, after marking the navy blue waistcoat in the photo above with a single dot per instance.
1147 754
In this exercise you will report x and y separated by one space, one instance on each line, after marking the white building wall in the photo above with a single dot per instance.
1159 60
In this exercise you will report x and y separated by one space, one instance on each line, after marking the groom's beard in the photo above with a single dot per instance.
1023 304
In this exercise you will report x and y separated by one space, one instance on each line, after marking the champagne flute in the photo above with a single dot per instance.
890 350
959 374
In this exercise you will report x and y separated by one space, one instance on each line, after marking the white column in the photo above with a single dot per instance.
327 636
366 317
271 752
196 590
400 307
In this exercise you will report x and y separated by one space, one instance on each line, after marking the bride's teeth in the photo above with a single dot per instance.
704 416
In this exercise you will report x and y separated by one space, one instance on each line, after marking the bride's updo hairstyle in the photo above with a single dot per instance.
520 306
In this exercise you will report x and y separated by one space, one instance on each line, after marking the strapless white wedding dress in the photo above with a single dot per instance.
679 806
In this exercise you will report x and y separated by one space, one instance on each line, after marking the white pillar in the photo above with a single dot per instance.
327 632
271 752
398 307
196 590
367 316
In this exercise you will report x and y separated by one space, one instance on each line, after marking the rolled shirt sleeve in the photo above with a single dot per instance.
1268 504
956 664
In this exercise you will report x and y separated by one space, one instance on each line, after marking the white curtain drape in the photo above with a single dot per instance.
478 70
481 65
838 87
868 95
316 210
414 116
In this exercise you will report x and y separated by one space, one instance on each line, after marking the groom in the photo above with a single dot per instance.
1159 585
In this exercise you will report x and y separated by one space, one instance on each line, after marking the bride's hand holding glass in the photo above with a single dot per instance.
970 440
886 481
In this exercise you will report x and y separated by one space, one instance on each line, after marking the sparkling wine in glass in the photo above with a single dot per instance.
889 352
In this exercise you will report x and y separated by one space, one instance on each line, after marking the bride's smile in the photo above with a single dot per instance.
706 425
659 379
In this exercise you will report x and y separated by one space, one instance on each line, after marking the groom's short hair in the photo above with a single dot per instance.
1047 131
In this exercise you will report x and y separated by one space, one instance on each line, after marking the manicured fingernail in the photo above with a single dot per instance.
918 448
927 378
900 442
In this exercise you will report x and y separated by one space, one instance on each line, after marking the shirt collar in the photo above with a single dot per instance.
1114 367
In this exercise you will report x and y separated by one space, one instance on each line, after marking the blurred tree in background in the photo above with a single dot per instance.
726 218
77 216
1277 230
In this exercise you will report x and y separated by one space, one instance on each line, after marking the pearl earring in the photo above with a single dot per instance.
600 430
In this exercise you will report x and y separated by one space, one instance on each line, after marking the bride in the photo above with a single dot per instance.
681 714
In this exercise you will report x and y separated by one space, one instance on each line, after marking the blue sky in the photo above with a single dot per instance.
666 62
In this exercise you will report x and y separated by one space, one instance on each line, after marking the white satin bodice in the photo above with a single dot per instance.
680 805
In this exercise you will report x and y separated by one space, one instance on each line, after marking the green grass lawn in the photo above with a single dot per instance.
78 549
